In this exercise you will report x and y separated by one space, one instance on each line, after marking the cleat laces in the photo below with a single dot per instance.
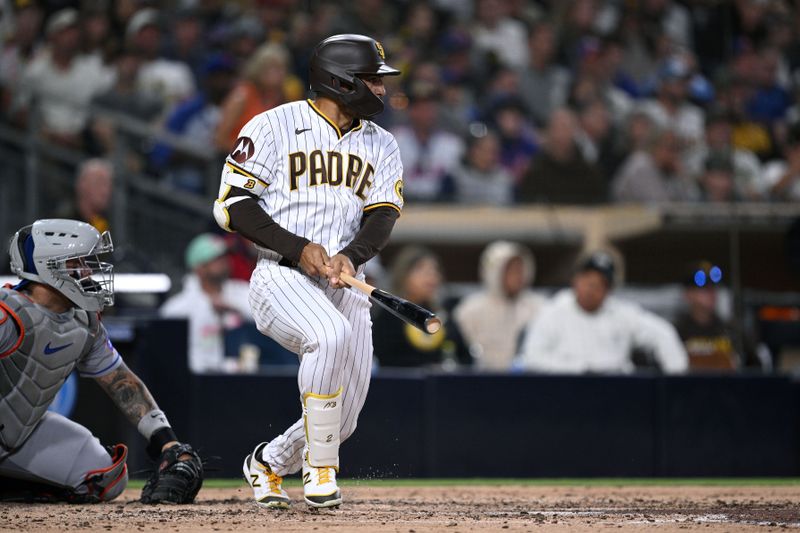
324 475
274 482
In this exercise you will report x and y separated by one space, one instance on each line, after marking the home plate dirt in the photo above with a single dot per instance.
449 509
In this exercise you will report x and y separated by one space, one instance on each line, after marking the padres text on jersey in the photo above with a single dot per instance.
311 178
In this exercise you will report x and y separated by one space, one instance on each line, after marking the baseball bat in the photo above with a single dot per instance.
409 312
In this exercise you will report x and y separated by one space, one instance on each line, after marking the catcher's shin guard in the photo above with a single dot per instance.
105 484
99 485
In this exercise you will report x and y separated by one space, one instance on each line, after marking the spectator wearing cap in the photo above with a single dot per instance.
493 318
782 176
711 342
195 121
480 178
429 153
60 82
671 109
210 300
169 79
719 138
266 83
546 82
559 173
586 329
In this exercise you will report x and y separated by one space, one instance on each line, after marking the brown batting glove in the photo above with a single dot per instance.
314 260
340 263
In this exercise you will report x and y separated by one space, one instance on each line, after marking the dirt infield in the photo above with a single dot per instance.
408 509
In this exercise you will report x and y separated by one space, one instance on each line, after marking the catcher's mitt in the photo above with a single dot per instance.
175 480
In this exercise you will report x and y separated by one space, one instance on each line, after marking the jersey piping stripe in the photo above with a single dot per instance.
360 125
20 326
106 369
332 123
329 121
382 204
243 172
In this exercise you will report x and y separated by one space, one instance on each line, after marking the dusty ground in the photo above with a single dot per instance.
449 509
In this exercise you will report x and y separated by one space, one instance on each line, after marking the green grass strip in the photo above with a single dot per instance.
533 482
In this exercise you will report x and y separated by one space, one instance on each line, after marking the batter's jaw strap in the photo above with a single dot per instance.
105 484
322 416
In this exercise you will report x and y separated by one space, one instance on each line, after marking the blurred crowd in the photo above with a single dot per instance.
500 101
502 324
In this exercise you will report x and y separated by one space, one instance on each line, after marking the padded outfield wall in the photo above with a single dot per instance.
417 424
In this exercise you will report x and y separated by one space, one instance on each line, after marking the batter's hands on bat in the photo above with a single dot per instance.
314 260
340 263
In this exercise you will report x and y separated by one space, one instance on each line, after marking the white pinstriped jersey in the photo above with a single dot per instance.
310 178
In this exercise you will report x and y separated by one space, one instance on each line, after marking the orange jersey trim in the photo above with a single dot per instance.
18 321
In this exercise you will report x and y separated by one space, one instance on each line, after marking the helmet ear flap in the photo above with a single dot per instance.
27 254
23 242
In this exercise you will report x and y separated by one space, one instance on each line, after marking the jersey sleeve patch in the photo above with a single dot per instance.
243 149
398 189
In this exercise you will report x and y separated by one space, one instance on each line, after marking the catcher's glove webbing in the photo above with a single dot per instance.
175 480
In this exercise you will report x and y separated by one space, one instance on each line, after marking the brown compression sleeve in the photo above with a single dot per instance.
372 237
248 219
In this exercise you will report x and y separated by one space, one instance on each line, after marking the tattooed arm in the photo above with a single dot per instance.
131 396
128 393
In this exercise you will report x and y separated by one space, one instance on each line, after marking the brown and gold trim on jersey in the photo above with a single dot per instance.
239 170
332 123
382 204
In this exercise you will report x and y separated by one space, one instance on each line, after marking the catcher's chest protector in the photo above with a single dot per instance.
31 376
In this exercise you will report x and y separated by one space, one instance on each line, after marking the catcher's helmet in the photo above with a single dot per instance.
336 64
64 254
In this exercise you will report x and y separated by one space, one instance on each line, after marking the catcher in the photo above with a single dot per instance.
50 324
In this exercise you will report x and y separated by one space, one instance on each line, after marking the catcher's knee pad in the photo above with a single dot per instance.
322 415
105 484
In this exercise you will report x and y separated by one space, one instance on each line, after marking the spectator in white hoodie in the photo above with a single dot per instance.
492 320
585 330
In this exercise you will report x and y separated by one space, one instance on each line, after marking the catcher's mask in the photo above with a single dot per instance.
336 64
64 254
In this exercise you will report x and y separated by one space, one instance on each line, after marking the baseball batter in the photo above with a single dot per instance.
49 325
317 187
